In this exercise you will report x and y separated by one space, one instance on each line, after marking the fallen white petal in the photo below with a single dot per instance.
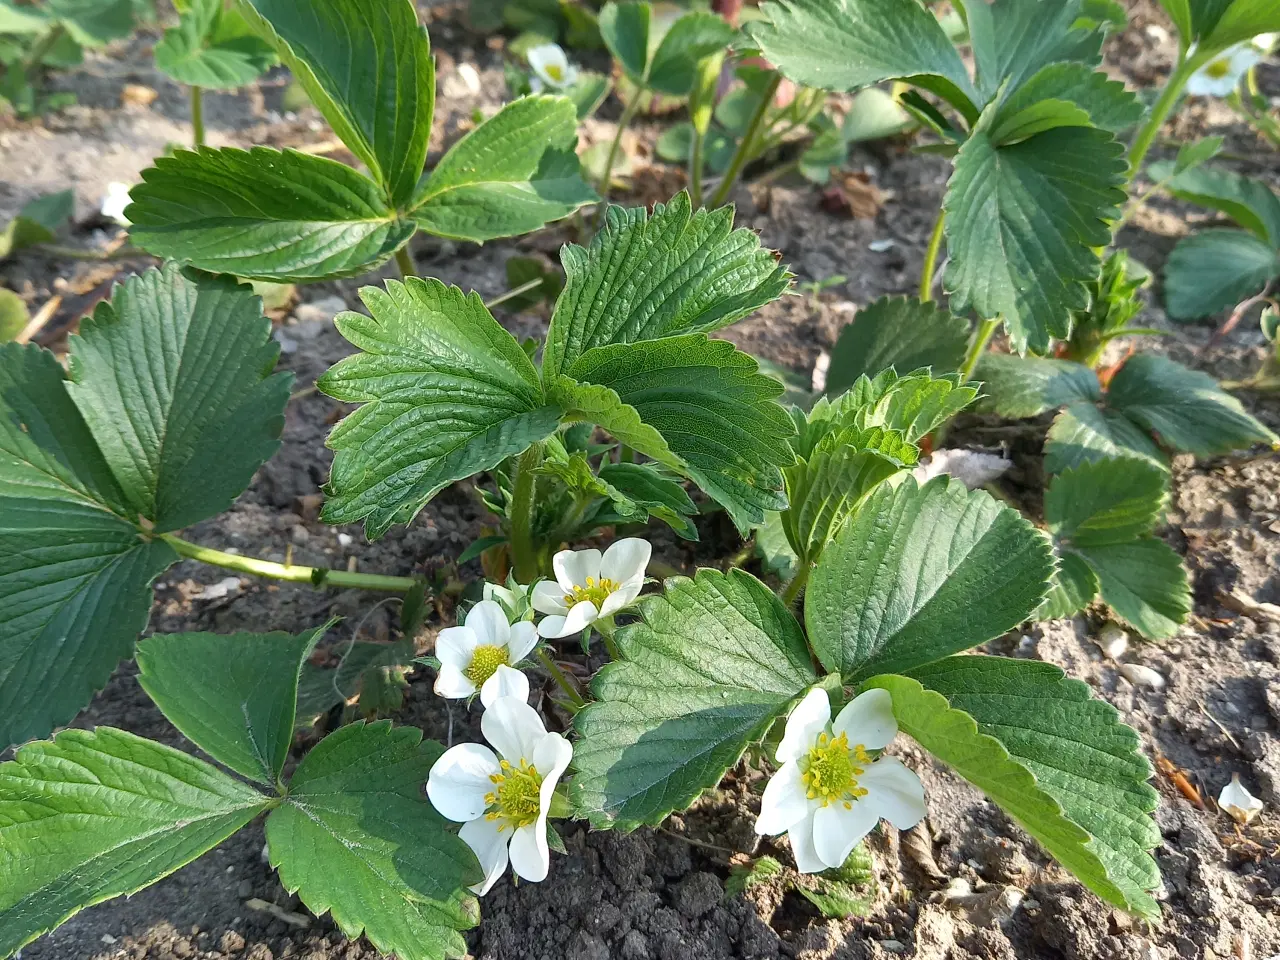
1239 802
973 468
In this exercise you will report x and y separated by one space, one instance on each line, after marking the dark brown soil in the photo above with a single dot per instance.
658 895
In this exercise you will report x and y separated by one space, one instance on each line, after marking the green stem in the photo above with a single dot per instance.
695 168
931 257
523 552
628 114
74 253
777 173
404 260
604 626
986 330
1187 65
316 576
197 116
561 680
40 50
514 292
792 593
743 154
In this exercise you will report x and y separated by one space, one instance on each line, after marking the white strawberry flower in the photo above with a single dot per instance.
479 655
502 799
551 68
1222 74
590 586
829 794
114 203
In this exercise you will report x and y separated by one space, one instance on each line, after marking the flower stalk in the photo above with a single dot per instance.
1187 65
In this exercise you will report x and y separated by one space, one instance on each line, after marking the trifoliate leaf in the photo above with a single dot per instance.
366 64
233 695
1246 200
920 573
594 404
1028 386
1105 502
1185 408
697 34
1216 269
848 44
1012 40
1106 102
714 409
264 215
447 392
655 275
1144 583
1023 224
358 838
624 27
1074 587
213 47
714 660
1082 433
898 332
92 815
1079 754
172 377
513 174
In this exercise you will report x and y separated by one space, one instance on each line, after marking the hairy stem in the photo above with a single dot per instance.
561 680
986 330
604 626
524 556
742 156
792 592
931 257
197 116
316 576
602 188
1187 65
695 168
404 260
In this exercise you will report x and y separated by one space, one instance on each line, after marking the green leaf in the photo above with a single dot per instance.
264 215
213 47
848 44
714 409
92 815
649 276
93 23
773 549
1028 386
1012 40
1023 224
1037 117
600 405
1246 200
1144 583
712 663
912 406
320 689
513 174
898 332
232 696
1185 408
1238 20
357 838
1214 270
1074 587
824 490
14 315
588 92
1106 102
874 114
658 495
920 573
1077 752
1105 502
624 27
37 222
366 64
1083 433
695 35
1191 155
447 392
172 377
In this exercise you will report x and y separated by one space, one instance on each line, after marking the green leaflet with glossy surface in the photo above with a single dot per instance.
213 46
898 332
1028 386
1216 269
1082 433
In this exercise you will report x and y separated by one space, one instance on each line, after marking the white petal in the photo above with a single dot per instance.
894 792
868 720
459 780
490 848
552 628
572 567
505 682
536 85
489 621
452 683
806 857
548 55
548 597
530 856
807 720
513 727
551 756
494 591
784 803
456 646
521 641
580 617
622 597
1238 802
626 560
837 830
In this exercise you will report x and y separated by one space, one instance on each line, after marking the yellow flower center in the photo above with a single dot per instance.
1219 68
831 769
555 72
485 662
597 591
516 795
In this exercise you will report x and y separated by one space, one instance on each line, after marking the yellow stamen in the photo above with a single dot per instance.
516 797
485 662
555 72
597 591
831 769
1219 68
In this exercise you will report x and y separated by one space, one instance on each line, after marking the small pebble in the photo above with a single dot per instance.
1141 676
467 73
1113 641
226 587
345 539
881 246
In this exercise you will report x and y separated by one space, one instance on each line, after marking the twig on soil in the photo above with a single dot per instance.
697 843
1234 319
1218 723
1245 604
285 916
37 322
1179 780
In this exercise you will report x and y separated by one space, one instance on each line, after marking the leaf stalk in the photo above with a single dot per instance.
197 116
628 114
524 556
746 147
931 257
1187 65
